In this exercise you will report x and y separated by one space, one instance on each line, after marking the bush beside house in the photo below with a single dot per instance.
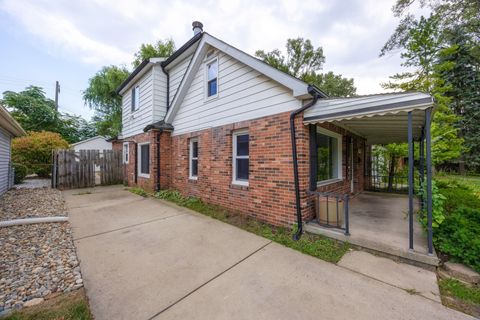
34 151
458 236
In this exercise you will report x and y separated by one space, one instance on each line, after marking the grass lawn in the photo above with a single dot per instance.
70 306
457 295
314 245
473 182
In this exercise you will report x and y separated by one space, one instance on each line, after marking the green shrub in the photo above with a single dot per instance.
459 236
20 172
438 200
457 195
138 191
35 151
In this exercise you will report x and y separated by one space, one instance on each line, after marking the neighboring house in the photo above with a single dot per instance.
9 128
214 122
95 143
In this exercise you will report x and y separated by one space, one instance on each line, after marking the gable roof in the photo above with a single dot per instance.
8 123
146 64
299 88
90 139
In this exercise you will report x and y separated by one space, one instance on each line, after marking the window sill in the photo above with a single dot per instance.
145 176
193 179
328 182
211 98
238 186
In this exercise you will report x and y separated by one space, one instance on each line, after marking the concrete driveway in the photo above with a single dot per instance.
143 258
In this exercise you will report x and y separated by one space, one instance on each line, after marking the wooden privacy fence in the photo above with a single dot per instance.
86 168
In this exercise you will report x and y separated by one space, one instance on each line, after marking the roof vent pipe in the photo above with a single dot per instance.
197 27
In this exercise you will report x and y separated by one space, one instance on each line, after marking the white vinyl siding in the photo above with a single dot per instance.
5 144
134 122
159 93
243 94
176 75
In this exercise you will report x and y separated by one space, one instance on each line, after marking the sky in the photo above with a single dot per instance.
44 41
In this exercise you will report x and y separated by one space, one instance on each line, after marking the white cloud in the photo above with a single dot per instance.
109 31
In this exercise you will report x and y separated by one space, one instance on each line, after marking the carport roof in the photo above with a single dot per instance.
380 118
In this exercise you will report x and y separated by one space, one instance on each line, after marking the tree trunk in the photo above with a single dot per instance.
391 172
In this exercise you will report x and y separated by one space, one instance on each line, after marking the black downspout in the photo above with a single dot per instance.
157 188
315 95
136 162
168 86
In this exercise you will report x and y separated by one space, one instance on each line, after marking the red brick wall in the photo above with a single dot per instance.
270 196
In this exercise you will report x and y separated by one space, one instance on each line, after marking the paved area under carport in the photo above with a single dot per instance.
143 258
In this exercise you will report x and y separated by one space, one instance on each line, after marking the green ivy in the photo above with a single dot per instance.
438 201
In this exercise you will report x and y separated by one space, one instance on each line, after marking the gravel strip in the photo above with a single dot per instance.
35 262
28 203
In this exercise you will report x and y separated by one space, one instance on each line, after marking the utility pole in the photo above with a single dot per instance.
57 91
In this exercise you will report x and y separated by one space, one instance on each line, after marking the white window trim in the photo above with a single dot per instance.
208 62
126 152
139 160
136 102
236 181
339 138
190 158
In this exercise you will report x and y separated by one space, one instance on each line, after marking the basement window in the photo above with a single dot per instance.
212 78
126 151
241 157
193 159
144 160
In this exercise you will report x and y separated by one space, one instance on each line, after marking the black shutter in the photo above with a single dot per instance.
313 157
133 99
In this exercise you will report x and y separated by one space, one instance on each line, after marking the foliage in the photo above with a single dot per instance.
138 191
70 306
34 151
455 288
317 246
20 172
162 48
304 61
458 235
102 97
35 112
438 201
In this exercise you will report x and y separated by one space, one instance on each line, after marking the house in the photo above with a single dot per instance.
214 122
95 143
9 128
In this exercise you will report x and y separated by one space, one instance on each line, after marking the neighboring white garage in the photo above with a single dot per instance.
95 143
9 128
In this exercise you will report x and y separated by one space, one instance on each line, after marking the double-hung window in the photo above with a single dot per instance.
193 159
144 160
329 155
126 152
240 157
135 98
212 78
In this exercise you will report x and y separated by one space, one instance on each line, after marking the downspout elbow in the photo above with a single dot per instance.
299 231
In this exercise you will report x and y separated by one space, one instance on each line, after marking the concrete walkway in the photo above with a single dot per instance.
147 259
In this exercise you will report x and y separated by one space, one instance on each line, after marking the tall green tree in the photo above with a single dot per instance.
102 97
304 61
35 112
162 48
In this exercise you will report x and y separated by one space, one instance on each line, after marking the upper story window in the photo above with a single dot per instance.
212 78
126 152
143 152
135 98
193 159
329 155
240 159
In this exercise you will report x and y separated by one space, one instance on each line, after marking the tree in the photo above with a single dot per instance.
304 61
102 97
34 151
35 112
162 48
